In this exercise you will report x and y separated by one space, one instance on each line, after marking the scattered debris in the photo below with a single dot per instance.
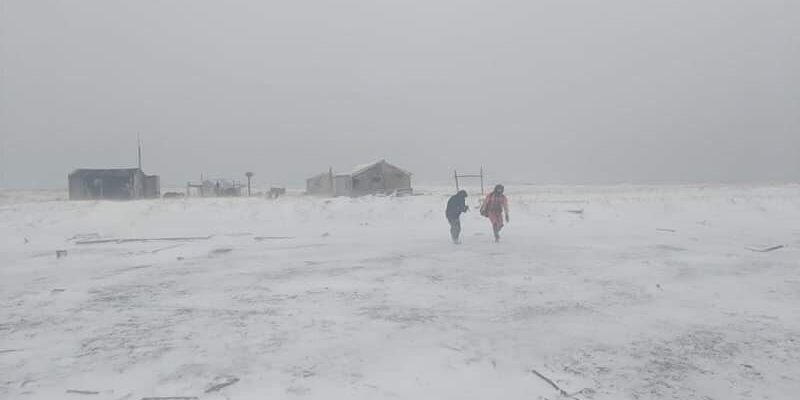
85 236
214 188
165 239
179 258
578 212
3 351
553 384
88 392
670 248
260 238
171 398
135 267
658 286
220 251
239 234
61 254
584 391
166 248
27 241
556 387
59 290
766 250
275 192
326 234
666 230
222 385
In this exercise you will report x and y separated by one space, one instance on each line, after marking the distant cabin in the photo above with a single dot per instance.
375 178
113 184
321 185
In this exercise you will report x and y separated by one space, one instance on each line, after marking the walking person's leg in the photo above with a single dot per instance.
455 229
497 224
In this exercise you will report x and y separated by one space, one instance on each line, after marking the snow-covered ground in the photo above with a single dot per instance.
610 292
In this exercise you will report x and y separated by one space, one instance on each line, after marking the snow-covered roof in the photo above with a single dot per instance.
363 167
105 171
318 176
84 170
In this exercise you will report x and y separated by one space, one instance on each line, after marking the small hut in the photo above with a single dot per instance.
375 178
113 184
379 178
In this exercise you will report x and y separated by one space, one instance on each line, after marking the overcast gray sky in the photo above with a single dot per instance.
556 91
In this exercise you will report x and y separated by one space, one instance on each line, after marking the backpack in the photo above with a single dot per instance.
485 208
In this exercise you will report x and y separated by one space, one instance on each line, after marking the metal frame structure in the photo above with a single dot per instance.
456 175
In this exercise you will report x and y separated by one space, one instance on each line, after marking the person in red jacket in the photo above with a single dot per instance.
494 206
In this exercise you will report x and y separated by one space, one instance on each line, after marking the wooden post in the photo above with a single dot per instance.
249 175
483 192
331 182
455 174
139 142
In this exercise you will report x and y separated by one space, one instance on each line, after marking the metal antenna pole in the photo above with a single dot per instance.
482 190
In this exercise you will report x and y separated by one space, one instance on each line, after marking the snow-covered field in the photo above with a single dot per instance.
610 292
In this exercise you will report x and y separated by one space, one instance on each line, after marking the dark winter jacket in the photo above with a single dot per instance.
456 205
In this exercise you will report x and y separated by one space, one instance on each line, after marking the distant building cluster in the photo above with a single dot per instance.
214 188
377 178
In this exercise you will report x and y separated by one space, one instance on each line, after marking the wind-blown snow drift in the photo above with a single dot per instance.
612 293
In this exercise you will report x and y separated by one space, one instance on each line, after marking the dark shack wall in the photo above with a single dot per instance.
381 178
136 190
368 182
121 184
115 187
395 179
152 187
320 185
77 188
343 185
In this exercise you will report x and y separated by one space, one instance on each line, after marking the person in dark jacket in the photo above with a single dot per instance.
455 206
